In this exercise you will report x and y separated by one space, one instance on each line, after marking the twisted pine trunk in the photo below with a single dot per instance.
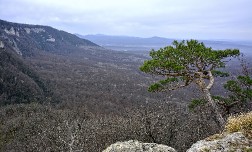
219 117
208 97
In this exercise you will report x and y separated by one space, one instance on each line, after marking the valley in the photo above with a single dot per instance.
59 85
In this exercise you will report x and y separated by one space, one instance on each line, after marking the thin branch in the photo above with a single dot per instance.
176 87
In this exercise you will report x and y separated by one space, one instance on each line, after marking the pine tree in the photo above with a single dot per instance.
187 62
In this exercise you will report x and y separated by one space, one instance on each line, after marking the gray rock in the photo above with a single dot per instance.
236 142
136 146
1 44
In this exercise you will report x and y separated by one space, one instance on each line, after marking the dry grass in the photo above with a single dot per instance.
241 123
214 137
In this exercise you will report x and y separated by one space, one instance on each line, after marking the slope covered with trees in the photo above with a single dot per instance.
18 82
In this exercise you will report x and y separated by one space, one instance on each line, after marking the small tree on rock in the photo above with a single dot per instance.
187 62
240 90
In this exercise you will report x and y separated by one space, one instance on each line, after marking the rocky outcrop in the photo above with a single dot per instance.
230 142
136 146
217 143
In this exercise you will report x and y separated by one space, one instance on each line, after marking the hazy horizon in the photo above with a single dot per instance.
154 36
182 19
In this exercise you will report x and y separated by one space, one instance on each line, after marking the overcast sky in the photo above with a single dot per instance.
182 19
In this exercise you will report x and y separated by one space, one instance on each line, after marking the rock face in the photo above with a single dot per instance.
231 142
136 146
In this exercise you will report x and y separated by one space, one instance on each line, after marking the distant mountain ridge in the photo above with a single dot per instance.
129 43
126 40
27 39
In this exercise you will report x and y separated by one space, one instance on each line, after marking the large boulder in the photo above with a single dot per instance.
223 143
136 146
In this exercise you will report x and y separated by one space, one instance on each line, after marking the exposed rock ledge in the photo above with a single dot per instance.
236 142
231 142
136 146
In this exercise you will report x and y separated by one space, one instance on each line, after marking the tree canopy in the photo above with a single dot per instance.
183 62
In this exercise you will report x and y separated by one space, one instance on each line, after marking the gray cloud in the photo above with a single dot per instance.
215 19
